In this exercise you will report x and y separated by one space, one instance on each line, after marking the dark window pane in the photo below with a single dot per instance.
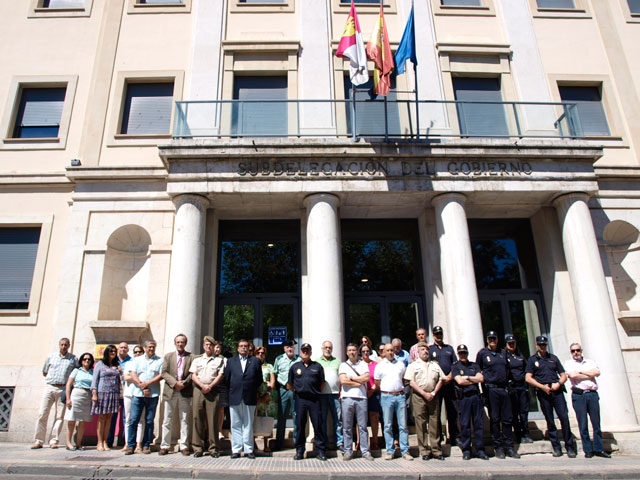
238 321
370 110
634 6
462 2
589 104
252 116
364 319
480 118
39 112
63 3
556 4
403 322
18 251
491 315
147 108
496 263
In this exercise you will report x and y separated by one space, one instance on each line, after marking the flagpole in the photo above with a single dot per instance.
415 75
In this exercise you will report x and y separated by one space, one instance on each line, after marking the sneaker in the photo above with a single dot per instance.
407 456
36 445
347 456
388 456
368 456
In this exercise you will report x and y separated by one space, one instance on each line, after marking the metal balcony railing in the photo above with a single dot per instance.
388 118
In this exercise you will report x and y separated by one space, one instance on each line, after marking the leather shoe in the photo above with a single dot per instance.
557 453
425 457
512 453
602 454
250 455
185 452
298 456
466 456
128 451
234 456
214 454
438 457
588 454
197 454
526 439
482 456
500 454
163 451
322 457
571 453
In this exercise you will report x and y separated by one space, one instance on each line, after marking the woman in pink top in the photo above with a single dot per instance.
373 395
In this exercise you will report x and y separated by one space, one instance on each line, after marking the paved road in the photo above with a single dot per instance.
18 462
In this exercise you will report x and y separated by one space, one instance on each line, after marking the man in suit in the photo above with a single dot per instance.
177 394
243 376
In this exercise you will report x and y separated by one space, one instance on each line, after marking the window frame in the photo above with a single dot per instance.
18 84
133 7
581 10
343 7
45 222
36 10
486 9
609 104
235 6
630 17
120 96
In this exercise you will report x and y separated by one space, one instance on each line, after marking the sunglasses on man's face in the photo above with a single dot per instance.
576 350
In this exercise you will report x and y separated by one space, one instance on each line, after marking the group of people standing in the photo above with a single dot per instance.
384 384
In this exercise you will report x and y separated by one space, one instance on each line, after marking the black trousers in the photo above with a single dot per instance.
500 416
549 403
448 395
520 411
471 412
312 407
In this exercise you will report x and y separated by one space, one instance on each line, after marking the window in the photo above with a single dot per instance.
590 110
158 6
634 6
147 109
62 4
18 250
480 118
158 2
370 110
39 112
6 402
460 3
556 4
250 115
262 1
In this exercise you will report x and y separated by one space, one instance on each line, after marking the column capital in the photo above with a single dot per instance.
565 198
202 203
330 198
438 199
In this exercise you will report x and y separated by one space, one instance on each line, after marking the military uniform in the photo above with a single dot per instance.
546 370
470 409
519 395
307 386
446 356
494 368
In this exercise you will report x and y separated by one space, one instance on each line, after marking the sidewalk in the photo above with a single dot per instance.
18 461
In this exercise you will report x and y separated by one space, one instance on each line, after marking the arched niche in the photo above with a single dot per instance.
125 277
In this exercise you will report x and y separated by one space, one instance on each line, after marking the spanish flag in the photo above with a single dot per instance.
379 51
351 46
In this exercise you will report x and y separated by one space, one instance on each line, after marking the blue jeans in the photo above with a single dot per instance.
330 404
137 404
395 404
583 405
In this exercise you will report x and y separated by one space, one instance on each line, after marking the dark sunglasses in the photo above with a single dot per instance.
368 352
576 350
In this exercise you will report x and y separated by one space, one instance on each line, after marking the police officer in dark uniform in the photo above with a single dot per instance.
467 376
445 356
518 389
546 373
495 370
306 378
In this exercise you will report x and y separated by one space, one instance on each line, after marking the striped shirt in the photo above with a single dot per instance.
59 368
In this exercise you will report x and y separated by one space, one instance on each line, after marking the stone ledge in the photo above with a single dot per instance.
630 320
122 331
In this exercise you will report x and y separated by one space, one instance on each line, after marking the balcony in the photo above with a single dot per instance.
398 117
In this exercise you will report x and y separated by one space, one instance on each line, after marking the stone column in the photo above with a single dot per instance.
184 305
324 274
598 332
458 277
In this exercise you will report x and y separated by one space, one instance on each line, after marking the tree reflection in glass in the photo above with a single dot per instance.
496 264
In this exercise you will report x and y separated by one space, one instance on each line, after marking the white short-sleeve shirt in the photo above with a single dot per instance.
390 375
347 368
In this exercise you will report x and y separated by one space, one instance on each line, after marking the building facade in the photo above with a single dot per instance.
206 167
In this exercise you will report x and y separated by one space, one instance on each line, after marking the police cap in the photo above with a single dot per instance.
509 337
542 340
437 330
462 348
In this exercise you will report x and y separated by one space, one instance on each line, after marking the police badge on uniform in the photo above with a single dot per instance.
461 372
537 364
299 371
488 358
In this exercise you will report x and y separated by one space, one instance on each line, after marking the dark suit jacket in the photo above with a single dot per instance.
243 387
170 374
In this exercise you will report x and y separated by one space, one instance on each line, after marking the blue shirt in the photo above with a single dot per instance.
82 378
403 356
146 369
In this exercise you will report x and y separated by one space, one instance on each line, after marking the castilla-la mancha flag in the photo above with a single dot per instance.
351 46
379 51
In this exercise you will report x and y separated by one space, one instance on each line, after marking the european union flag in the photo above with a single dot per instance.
407 48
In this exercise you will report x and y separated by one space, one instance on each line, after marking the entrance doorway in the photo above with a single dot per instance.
383 286
258 284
